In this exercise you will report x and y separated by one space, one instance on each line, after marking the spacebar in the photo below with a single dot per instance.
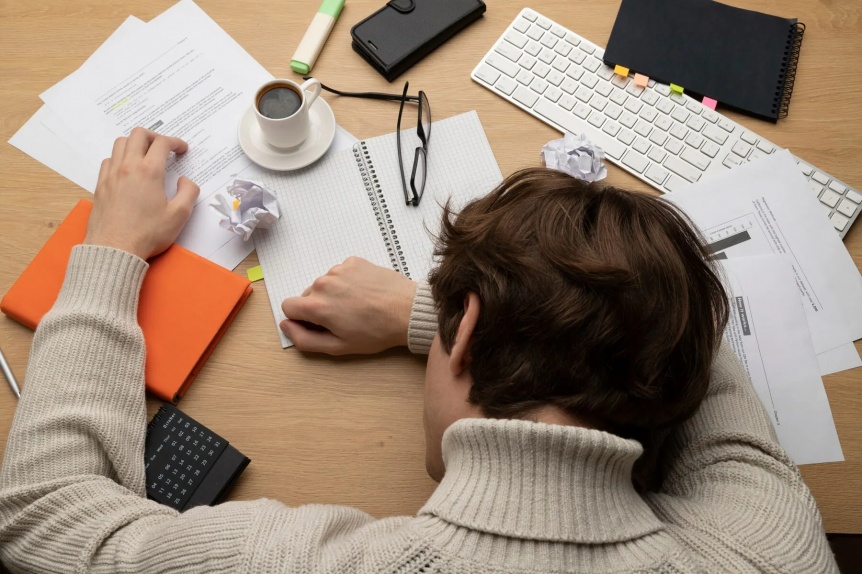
572 123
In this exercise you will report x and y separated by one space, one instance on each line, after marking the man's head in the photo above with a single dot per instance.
598 302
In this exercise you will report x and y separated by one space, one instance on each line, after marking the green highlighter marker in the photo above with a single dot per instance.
312 43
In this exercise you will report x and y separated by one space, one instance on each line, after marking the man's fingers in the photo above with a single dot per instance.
104 170
162 146
311 340
118 151
184 201
303 309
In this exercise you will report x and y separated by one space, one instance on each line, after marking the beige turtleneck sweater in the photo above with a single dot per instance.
517 496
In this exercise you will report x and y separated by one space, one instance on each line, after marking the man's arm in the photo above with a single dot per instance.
729 486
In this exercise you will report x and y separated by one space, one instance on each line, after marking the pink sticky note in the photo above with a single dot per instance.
710 103
641 80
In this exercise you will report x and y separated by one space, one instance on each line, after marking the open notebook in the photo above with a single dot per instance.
352 203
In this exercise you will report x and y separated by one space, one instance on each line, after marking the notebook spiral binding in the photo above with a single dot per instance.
787 78
381 209
156 418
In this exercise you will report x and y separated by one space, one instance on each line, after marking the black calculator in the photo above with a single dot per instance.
186 463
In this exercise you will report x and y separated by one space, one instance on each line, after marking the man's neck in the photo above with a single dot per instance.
554 415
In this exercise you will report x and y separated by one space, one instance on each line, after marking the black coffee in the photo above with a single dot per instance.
279 102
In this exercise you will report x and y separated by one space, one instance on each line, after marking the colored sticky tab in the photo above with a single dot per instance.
641 80
621 71
710 103
255 274
677 89
235 204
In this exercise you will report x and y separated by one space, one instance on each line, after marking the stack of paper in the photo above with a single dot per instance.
180 75
796 295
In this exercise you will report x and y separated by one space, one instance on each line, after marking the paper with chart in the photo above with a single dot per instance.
345 206
768 331
765 207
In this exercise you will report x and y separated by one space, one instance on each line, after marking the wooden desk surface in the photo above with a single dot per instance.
349 431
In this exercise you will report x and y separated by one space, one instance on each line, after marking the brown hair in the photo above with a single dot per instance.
601 301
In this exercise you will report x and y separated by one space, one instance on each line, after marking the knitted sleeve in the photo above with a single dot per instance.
72 485
423 321
730 489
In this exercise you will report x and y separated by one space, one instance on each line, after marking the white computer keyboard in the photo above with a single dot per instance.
665 139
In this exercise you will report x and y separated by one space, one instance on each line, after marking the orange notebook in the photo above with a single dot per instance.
186 303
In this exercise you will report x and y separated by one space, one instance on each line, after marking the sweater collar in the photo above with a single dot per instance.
540 482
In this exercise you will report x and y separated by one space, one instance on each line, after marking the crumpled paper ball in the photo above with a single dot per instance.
253 206
576 156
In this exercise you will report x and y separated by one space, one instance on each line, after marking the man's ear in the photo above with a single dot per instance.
459 358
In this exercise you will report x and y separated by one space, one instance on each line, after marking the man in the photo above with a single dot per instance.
571 321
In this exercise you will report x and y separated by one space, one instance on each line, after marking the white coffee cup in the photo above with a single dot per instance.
284 117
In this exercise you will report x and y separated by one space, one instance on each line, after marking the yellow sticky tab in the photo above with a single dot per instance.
621 71
255 274
641 80
235 204
677 89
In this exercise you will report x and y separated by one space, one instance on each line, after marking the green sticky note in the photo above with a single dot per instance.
255 274
675 88
299 67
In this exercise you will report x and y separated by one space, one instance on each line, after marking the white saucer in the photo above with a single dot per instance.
320 137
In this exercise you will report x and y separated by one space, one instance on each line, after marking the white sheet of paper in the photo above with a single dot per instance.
839 359
768 331
766 207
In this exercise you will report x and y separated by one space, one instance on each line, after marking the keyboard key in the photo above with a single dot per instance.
628 120
715 134
508 50
592 64
529 15
620 81
678 131
527 61
674 146
710 149
694 107
518 40
589 80
584 47
815 187
663 89
626 137
657 154
649 97
506 85
694 139
547 56
598 103
854 196
695 122
806 169
539 85
568 122
839 222
575 72
674 183
568 102
541 70
635 161
553 94
742 149
664 105
682 168
663 122
643 128
680 115
695 158
557 31
837 187
605 72
577 57
543 23
582 110
633 105
830 198
613 111
562 49
847 207
748 137
487 74
521 25
533 48
826 209
535 33
678 99
597 120
619 97
524 77
641 145
658 137
820 177
525 96
572 39
649 114
710 116
584 94
731 161
505 65
569 86
604 89
656 174
548 41
611 128
555 77
755 155
726 125
634 89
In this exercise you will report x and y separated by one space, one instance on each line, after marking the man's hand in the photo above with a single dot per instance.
357 307
131 211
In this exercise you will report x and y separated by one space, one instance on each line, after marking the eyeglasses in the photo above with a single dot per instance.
419 171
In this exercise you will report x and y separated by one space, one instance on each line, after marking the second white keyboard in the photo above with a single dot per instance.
666 139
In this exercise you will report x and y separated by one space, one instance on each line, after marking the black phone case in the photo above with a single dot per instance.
405 31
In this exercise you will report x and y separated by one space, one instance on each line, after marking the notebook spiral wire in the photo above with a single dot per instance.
788 72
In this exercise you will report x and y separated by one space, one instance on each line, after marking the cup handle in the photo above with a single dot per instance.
310 95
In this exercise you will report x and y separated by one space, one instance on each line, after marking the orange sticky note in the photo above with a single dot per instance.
641 80
710 103
621 71
677 89
235 204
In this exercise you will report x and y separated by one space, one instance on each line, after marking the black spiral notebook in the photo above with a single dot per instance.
186 463
743 59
